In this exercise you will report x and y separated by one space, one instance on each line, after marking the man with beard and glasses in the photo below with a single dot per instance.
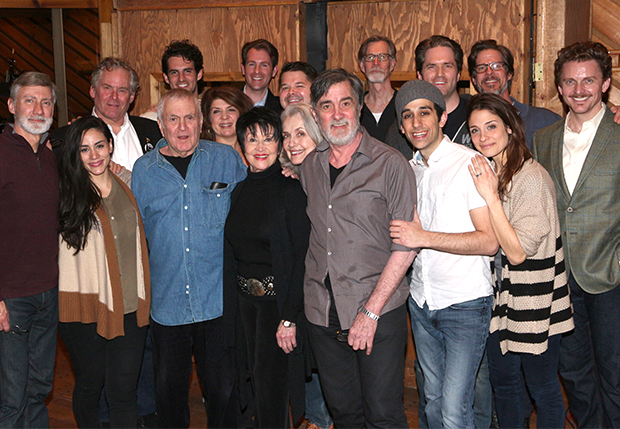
377 59
491 67
29 198
355 291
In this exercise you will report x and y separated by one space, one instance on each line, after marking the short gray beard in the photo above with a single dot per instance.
31 128
343 140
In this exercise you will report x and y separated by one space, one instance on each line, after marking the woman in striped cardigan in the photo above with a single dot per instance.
532 305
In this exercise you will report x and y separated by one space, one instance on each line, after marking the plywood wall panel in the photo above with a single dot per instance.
218 32
409 22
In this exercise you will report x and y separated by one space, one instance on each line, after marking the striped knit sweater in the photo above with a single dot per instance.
534 302
90 289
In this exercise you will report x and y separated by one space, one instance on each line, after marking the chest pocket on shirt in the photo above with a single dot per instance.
214 204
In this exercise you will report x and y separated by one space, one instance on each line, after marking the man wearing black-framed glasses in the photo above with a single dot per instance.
377 59
491 67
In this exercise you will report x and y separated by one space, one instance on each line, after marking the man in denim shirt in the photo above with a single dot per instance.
183 190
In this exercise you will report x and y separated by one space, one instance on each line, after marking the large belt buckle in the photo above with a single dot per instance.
255 287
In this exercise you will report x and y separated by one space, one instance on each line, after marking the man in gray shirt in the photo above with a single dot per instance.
354 288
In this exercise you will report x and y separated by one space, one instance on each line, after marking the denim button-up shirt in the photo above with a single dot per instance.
184 225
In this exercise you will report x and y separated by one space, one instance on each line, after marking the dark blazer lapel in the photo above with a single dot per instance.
601 138
557 159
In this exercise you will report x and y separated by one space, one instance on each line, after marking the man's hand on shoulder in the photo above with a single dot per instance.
4 318
115 168
362 333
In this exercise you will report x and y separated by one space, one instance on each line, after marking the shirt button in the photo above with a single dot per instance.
185 186
187 250
115 237
329 230
186 292
329 253
218 195
111 217
185 207
570 209
185 228
187 287
329 206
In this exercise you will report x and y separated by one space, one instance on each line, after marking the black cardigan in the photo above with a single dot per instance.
289 232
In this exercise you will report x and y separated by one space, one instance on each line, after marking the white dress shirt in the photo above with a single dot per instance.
576 147
127 147
446 195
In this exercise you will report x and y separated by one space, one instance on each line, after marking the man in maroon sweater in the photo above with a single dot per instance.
28 254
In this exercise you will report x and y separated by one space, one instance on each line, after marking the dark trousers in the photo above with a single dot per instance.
541 376
98 362
267 362
172 352
590 358
364 390
27 360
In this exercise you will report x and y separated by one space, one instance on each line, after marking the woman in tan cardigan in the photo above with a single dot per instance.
531 307
104 283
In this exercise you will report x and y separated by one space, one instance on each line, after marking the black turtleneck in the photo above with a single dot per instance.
247 225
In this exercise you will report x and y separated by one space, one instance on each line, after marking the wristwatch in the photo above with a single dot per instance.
288 323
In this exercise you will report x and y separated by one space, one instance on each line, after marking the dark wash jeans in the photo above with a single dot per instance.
99 362
364 390
172 352
541 377
590 358
27 360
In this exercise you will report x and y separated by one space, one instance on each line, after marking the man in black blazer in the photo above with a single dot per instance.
259 65
113 88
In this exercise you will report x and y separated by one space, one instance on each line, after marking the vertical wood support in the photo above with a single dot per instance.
110 37
59 66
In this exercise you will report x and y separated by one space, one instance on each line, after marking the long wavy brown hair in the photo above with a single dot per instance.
517 151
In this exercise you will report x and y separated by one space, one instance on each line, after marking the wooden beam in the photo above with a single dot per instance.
195 4
48 4
578 21
60 73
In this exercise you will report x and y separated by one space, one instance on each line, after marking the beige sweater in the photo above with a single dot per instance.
90 289
534 302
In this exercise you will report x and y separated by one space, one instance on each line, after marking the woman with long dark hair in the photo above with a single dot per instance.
531 307
104 283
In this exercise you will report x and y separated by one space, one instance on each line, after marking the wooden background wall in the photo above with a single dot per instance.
220 33
408 23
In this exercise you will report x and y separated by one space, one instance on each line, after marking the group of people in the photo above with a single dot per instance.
280 242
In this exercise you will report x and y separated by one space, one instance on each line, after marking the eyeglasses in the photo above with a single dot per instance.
496 66
382 57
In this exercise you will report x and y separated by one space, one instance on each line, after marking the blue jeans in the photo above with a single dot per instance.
483 396
27 360
590 358
541 377
449 344
316 409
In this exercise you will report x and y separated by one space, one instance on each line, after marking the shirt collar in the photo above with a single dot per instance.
436 156
123 127
42 138
592 123
261 102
